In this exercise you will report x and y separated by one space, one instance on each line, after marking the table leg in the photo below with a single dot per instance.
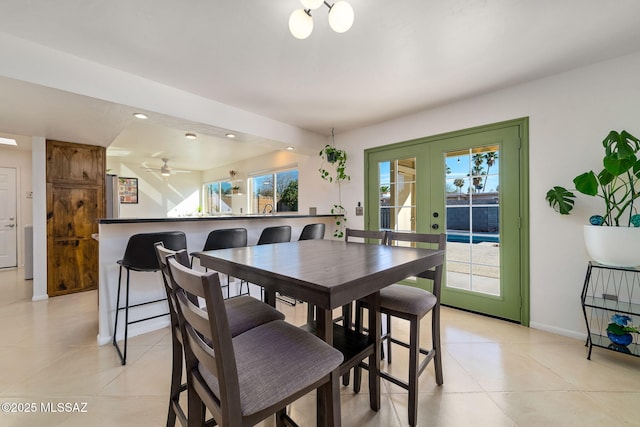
270 297
374 359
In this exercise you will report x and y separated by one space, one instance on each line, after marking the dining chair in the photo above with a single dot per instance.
412 304
140 256
312 232
245 379
243 314
223 239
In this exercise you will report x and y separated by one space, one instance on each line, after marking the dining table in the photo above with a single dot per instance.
329 274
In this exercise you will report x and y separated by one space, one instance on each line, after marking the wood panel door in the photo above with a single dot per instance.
75 201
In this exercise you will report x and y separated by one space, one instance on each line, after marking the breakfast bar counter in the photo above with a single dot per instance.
114 233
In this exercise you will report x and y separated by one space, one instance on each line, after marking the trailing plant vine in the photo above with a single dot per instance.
333 169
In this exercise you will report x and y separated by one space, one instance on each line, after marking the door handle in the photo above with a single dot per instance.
435 226
10 225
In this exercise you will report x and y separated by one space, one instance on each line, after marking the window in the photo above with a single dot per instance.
217 197
285 197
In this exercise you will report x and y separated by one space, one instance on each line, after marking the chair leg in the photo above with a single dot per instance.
122 354
414 366
357 371
176 380
126 321
435 333
196 414
388 338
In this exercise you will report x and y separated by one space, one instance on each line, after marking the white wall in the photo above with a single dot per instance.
570 114
11 157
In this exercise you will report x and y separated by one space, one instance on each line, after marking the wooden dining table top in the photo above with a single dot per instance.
326 273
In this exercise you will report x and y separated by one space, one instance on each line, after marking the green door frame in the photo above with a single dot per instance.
523 126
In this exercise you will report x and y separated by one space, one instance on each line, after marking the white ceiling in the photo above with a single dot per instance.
399 57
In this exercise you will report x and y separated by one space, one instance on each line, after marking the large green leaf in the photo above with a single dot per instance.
621 145
561 199
619 166
587 183
605 177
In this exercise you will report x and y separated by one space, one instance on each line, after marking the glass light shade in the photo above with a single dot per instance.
300 24
312 4
341 17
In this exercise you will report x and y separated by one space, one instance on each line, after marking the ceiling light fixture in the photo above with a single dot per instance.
340 17
231 135
140 116
190 135
290 148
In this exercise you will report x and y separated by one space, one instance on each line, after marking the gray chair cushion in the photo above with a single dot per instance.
275 360
407 299
245 312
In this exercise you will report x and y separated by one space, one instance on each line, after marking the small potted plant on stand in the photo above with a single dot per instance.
613 237
620 329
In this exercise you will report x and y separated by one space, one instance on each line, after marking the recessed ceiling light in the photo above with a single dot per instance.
8 141
231 135
190 135
140 116
289 148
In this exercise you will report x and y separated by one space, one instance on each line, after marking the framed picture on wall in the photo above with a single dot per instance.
128 190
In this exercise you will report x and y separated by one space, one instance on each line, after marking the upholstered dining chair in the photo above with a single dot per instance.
245 379
243 313
412 304
140 256
223 238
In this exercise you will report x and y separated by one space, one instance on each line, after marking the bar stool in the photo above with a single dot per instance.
275 234
269 235
223 239
140 255
312 232
412 304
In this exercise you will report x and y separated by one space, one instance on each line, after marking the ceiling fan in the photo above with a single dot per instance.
165 170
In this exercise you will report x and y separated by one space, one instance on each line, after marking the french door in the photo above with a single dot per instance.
469 184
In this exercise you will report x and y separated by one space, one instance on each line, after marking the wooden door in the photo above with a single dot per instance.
75 200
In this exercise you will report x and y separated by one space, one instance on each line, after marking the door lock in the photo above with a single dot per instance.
435 226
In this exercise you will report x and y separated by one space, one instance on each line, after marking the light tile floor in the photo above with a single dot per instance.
496 373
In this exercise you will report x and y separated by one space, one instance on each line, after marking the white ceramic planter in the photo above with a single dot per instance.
615 246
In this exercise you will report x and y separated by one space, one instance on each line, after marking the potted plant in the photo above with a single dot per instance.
235 189
620 329
337 158
617 227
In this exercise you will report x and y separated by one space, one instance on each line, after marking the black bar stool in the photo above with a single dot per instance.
140 255
269 235
312 232
223 238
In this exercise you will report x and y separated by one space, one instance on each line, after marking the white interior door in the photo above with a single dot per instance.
8 220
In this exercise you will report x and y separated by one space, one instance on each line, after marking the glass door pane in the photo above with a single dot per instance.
472 178
397 194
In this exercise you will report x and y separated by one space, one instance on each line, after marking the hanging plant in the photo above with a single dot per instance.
338 160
